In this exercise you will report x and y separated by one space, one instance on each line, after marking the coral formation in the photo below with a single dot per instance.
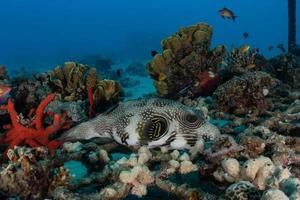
75 110
30 174
187 64
286 67
242 60
253 154
33 133
257 174
246 93
242 190
73 80
274 194
3 74
27 92
135 174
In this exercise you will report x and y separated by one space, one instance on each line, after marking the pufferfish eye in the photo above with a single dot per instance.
156 128
191 120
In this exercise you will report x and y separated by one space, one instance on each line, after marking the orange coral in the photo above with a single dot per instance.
35 134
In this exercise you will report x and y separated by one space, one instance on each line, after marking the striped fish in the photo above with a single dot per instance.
150 122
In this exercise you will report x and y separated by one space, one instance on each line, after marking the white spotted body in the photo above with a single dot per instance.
151 122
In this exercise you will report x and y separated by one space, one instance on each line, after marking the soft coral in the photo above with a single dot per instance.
35 134
208 82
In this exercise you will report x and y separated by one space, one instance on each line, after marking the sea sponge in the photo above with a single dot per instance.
144 155
186 167
185 63
263 173
251 167
140 177
231 166
229 171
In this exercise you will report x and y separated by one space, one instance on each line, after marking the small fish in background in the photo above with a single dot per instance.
281 47
244 49
245 35
153 53
4 93
255 50
118 73
226 13
270 48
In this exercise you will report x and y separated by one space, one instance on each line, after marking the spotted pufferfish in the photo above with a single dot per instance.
152 122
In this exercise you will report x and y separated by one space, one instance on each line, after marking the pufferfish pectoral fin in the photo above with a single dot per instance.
85 131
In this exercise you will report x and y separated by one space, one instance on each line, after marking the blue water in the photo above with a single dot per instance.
38 34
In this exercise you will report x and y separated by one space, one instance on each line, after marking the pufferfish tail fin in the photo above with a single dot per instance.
98 128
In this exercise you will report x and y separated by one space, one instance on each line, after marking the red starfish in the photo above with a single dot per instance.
36 134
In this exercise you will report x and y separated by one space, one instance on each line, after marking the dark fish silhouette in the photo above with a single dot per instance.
118 73
245 35
226 13
153 53
281 47
270 48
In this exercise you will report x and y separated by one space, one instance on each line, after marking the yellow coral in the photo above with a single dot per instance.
74 80
186 53
92 78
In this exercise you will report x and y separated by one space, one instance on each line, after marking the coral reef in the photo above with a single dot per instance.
187 65
242 60
73 80
254 153
75 110
246 93
27 92
32 132
31 174
3 74
286 67
254 175
242 190
135 174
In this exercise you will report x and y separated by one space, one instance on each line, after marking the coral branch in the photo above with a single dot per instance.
40 111
34 134
91 102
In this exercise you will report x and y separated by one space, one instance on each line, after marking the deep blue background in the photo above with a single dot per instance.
42 33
